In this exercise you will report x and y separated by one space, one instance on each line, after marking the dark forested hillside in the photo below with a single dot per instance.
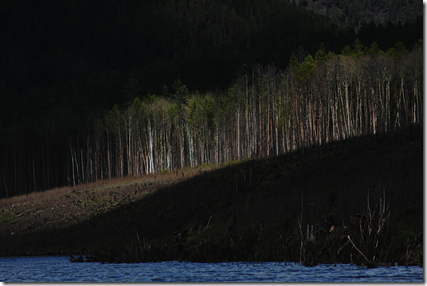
200 42
45 42
357 13
94 90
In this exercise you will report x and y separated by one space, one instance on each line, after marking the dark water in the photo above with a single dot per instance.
60 269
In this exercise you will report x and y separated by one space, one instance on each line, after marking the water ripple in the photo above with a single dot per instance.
60 269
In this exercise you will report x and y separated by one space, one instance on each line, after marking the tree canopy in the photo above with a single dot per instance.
97 90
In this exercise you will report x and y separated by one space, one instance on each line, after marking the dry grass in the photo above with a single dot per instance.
71 205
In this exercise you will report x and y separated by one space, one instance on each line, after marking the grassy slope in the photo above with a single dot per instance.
253 210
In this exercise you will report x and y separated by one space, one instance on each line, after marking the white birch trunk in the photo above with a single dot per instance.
150 149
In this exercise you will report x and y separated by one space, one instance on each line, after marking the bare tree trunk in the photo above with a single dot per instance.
108 155
268 128
259 113
150 148
238 126
254 139
218 103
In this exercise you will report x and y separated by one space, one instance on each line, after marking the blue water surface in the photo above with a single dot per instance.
61 269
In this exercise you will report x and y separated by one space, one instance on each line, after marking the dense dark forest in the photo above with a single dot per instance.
98 90
365 12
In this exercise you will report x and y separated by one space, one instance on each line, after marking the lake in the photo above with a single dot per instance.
61 269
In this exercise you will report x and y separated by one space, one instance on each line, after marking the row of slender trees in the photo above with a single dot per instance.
266 112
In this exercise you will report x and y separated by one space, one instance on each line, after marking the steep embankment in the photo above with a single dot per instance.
313 206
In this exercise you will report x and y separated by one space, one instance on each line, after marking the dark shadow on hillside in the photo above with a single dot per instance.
313 206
